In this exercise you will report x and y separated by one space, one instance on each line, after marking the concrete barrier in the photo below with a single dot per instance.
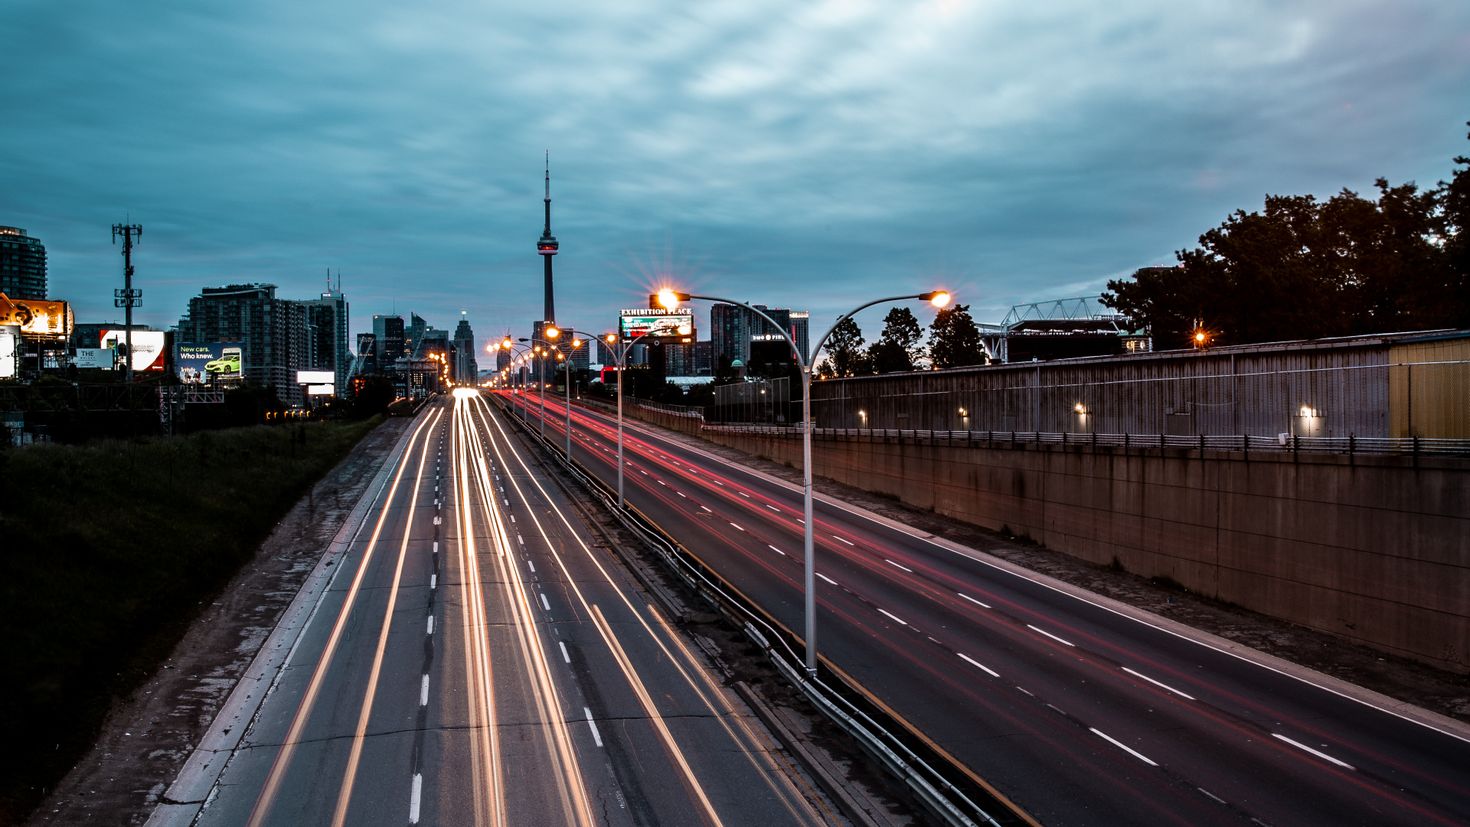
1375 548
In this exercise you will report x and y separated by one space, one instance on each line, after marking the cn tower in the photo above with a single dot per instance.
547 247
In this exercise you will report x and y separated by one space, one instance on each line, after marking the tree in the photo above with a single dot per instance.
899 347
845 356
1302 269
955 339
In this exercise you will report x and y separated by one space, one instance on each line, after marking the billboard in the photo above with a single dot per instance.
9 351
315 377
147 347
656 323
96 358
199 363
36 317
321 390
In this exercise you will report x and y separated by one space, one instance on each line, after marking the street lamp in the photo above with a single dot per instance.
670 300
567 357
621 352
543 350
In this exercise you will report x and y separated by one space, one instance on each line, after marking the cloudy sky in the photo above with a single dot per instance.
808 155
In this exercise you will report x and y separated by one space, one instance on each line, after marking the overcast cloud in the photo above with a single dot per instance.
802 155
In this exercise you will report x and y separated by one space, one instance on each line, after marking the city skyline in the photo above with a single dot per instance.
808 158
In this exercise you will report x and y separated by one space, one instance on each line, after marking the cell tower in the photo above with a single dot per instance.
127 298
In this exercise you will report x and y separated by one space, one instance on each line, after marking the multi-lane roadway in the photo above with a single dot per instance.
476 661
1079 711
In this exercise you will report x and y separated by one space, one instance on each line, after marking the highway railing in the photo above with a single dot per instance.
1242 443
942 797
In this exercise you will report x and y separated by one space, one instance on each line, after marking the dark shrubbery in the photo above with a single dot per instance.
107 550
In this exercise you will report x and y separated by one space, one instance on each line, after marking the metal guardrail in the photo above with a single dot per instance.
1243 443
938 794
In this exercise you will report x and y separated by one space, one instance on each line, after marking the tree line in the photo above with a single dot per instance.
1301 268
954 341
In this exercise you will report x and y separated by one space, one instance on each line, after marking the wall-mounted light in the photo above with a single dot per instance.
1080 409
964 412
1308 412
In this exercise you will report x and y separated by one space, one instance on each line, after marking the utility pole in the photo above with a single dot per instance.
127 297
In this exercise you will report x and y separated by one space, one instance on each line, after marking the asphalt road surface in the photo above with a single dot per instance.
1079 713
476 661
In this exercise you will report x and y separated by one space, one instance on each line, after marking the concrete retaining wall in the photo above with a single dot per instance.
1375 548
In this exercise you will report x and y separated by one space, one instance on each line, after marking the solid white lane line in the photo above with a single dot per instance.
825 577
973 662
973 600
894 616
564 656
844 539
544 604
897 566
596 736
737 526
415 797
1159 684
1324 756
1216 798
431 625
424 691
1122 746
1050 635
777 550
531 563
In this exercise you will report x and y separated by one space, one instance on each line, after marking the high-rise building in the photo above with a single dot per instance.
704 358
388 339
415 333
466 367
801 332
22 265
733 328
272 332
326 336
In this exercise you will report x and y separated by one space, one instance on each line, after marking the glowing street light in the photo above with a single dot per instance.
669 299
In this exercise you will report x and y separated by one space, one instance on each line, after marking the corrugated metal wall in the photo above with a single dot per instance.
1312 389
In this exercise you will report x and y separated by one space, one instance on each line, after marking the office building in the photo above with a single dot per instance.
326 321
733 328
22 265
466 367
388 340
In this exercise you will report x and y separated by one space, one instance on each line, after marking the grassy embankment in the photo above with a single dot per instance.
107 551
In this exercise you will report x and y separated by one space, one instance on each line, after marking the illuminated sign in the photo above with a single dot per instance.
321 390
96 358
36 317
315 377
652 323
147 347
9 351
198 363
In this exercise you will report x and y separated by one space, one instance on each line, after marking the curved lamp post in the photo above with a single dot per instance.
510 347
670 300
621 352
552 333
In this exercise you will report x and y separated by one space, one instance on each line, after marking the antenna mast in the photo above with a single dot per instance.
127 298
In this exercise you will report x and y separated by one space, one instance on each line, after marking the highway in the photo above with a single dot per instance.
476 661
1077 712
